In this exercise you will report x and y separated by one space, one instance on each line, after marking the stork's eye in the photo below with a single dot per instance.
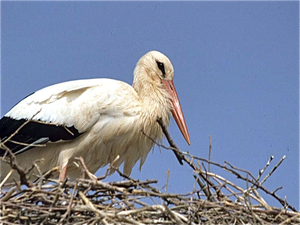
161 67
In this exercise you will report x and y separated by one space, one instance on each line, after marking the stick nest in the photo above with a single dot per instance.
90 200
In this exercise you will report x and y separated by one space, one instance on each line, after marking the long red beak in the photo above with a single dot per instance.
176 110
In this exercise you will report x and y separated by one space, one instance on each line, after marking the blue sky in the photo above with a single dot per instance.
236 73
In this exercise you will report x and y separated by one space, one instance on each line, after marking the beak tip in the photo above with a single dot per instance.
188 140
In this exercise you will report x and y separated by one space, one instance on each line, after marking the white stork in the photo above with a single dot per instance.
97 119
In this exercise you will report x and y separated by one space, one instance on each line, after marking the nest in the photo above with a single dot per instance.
90 200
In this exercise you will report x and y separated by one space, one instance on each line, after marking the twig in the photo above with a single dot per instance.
168 173
267 164
67 213
272 171
171 142
90 175
181 157
209 153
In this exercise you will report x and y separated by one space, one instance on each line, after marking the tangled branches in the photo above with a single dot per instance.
213 200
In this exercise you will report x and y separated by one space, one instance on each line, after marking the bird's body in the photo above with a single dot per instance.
97 119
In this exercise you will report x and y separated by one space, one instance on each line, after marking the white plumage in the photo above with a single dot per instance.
97 119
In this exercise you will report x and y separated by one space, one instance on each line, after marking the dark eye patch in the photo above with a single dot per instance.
161 67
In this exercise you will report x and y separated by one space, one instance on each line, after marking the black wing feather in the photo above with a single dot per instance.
33 132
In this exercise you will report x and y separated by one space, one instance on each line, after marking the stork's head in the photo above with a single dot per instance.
154 73
157 67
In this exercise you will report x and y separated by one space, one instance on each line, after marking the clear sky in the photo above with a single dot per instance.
236 73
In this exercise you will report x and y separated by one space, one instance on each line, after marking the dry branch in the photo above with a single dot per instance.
233 169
